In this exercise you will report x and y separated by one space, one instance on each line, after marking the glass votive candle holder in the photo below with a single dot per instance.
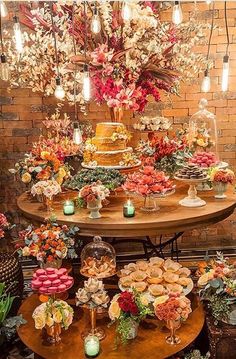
91 346
68 207
128 209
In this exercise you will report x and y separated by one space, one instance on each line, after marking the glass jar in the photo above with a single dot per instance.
202 135
98 259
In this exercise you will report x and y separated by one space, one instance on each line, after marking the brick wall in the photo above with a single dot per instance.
22 112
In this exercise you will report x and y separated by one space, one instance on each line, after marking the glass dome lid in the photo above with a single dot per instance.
98 259
202 135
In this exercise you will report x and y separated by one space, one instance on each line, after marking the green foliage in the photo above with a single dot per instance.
110 178
5 303
196 354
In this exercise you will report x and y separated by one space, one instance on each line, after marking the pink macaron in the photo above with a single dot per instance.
61 288
43 290
52 276
52 290
47 283
42 277
50 270
61 271
40 272
68 283
36 283
56 282
64 278
35 276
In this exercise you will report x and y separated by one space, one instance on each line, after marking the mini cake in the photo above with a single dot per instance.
109 147
191 171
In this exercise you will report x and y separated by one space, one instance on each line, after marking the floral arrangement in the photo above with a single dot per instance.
172 307
48 242
157 123
121 134
147 182
220 175
110 178
4 225
93 294
217 283
127 308
53 312
48 188
132 60
165 152
93 192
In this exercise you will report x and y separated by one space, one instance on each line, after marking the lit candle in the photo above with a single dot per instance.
91 346
128 209
68 208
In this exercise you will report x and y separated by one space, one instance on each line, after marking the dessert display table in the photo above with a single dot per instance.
171 218
150 339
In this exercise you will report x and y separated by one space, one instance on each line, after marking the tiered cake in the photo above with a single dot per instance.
109 147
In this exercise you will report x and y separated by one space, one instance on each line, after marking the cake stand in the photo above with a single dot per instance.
150 204
192 200
118 167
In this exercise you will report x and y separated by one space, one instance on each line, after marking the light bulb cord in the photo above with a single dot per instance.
211 31
54 38
74 46
226 27
86 33
1 37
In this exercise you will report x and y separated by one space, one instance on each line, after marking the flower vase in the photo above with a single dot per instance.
173 325
53 333
116 114
56 263
133 331
94 208
94 331
220 189
149 204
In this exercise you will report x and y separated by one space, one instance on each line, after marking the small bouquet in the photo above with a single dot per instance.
128 309
48 189
147 182
48 242
4 225
217 283
172 307
157 123
51 313
93 294
222 175
93 192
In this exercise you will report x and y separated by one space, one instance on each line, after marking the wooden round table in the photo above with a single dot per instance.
150 342
171 218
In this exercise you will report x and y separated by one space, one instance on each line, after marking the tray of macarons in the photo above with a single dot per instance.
51 281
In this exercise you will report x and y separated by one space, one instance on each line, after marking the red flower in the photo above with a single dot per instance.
127 303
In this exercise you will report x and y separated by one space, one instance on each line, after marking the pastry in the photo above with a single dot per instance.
156 289
184 281
156 261
126 281
191 171
123 273
170 277
131 267
138 276
174 288
100 268
184 272
171 266
154 275
142 265
139 286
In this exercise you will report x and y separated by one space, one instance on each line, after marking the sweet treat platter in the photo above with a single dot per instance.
117 167
51 281
190 171
98 268
155 277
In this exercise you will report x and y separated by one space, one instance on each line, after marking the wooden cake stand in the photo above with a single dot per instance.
150 342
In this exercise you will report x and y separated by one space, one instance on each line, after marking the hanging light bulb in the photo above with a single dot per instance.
86 84
59 91
4 68
4 11
95 22
225 73
77 136
126 11
18 35
177 15
209 2
206 82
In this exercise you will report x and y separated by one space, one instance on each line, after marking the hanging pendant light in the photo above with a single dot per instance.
59 91
96 22
126 11
177 15
19 40
4 11
208 2
206 82
86 83
4 69
225 74
77 136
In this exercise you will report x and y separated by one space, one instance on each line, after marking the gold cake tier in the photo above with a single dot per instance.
106 129
107 144
110 158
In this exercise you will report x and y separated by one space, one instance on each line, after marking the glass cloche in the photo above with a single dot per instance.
98 259
202 136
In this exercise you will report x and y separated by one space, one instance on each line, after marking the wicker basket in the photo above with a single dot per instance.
11 274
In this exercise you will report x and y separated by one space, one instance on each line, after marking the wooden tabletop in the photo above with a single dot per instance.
150 342
171 218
